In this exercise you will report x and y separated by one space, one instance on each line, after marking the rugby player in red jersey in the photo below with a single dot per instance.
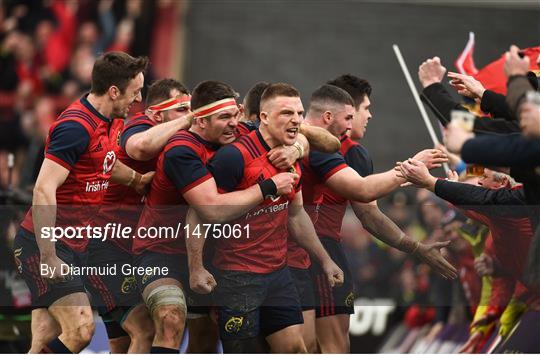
116 296
309 137
255 293
331 181
181 179
79 161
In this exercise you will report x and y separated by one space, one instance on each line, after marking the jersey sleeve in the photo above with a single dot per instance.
184 168
67 142
325 165
357 157
128 132
227 167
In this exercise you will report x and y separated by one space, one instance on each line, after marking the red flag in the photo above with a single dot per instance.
492 75
465 62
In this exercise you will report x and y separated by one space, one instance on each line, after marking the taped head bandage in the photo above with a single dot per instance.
215 107
170 104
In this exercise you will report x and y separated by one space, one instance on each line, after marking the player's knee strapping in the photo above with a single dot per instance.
166 295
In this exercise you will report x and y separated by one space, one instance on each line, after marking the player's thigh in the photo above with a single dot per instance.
27 259
238 297
287 340
329 300
113 294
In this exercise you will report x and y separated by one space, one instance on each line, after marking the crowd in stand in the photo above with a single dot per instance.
47 50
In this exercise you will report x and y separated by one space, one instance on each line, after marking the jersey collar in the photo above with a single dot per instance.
261 140
88 105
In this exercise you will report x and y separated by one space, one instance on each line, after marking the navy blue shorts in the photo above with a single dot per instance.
27 259
115 293
303 280
251 304
333 300
177 266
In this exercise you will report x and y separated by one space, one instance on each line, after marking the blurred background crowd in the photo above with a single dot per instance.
47 50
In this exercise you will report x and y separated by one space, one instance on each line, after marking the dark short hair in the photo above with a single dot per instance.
160 90
329 94
356 87
252 100
210 91
278 89
115 69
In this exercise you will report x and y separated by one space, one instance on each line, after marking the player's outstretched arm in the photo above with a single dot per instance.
200 280
302 230
350 185
384 229
148 144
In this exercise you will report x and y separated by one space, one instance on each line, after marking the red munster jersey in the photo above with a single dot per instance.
236 167
122 204
180 167
81 140
325 207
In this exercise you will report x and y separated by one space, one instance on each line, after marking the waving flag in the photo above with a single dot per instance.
465 62
492 75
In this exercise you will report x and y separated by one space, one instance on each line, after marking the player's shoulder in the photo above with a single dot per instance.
78 113
137 119
357 157
185 138
231 152
83 112
316 156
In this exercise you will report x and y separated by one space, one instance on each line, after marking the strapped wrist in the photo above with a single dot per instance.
268 188
300 149
135 178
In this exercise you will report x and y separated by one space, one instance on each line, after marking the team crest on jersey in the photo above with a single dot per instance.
129 284
234 324
108 162
349 300
17 253
146 277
